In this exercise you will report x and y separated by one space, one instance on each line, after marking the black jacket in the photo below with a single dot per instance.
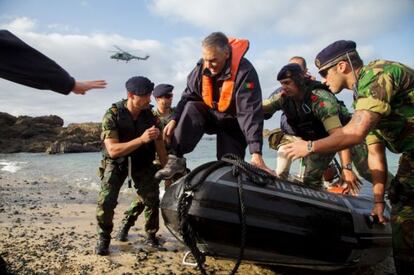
25 65
246 103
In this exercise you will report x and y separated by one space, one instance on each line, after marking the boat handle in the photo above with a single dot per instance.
185 262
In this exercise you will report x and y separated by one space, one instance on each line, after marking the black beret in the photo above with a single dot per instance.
334 53
290 70
139 85
162 89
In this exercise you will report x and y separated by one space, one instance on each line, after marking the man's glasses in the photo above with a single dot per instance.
324 73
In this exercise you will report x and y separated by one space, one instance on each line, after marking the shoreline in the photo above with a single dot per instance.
50 228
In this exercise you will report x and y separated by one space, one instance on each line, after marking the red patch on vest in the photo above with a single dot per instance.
313 98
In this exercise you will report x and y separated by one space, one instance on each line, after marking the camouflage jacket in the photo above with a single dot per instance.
125 129
163 120
324 106
387 88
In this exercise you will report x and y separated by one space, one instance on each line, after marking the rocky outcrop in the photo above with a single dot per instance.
77 137
46 133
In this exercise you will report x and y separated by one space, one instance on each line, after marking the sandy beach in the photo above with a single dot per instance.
51 229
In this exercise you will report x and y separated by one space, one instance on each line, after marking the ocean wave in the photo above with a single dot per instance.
11 166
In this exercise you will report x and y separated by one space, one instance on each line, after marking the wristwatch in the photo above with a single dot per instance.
310 146
347 166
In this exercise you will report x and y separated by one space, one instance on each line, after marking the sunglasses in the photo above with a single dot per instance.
168 96
324 73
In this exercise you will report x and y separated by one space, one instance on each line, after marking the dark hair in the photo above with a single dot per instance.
356 61
216 39
293 71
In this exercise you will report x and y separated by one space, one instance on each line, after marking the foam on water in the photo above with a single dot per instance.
10 166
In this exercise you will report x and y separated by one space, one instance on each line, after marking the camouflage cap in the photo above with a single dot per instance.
291 70
139 85
334 53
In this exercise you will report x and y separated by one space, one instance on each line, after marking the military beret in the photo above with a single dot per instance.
162 90
334 53
290 70
139 85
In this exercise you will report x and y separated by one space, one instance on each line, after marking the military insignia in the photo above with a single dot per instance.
314 98
249 85
317 63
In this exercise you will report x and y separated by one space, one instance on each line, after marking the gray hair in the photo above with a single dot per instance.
216 39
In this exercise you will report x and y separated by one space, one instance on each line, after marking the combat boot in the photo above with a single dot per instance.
175 166
152 240
102 248
123 233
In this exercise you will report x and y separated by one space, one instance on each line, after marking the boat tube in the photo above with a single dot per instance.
225 209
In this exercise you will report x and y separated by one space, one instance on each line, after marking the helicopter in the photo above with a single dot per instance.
126 56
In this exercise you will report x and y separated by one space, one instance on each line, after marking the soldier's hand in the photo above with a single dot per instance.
150 134
295 150
378 211
351 181
169 130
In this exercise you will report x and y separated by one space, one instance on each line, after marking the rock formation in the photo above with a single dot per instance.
47 134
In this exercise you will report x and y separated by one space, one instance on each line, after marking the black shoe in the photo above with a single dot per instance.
102 248
152 240
123 233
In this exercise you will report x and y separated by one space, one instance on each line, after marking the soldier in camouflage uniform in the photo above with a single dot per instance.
314 112
163 96
131 136
384 115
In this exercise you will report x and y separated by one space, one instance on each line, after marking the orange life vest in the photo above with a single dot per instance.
238 48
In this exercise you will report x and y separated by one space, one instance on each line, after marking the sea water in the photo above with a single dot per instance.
80 169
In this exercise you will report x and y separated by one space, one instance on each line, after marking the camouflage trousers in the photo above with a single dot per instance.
316 164
402 220
147 187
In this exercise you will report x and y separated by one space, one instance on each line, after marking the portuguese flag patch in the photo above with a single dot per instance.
249 85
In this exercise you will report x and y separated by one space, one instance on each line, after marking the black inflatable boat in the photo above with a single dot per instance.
271 221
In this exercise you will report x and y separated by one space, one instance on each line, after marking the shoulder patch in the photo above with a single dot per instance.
249 85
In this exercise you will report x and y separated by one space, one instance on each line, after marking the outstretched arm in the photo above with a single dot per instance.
20 63
81 87
351 134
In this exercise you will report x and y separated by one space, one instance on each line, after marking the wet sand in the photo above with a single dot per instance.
51 229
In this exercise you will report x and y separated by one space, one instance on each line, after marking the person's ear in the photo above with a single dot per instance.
342 67
227 52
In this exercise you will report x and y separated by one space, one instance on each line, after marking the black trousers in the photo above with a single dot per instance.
197 119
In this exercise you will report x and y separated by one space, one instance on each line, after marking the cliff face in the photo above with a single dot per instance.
47 134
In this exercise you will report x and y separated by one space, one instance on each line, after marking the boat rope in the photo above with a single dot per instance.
239 168
184 204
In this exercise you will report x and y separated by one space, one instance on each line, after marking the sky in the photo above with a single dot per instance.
79 36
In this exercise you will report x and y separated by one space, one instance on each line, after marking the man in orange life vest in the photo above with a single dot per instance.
222 97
